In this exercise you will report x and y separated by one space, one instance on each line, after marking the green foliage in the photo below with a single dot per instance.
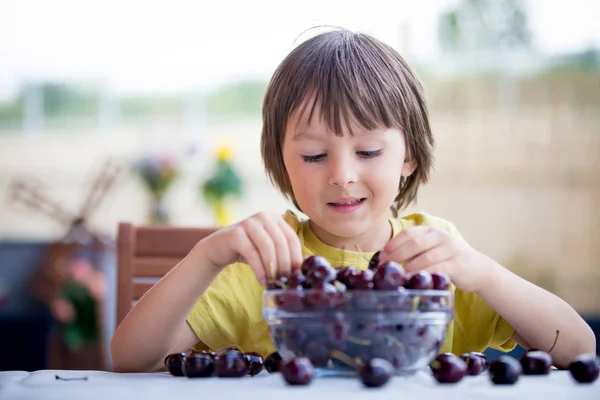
224 183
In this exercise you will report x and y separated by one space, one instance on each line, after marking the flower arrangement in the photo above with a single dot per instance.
157 172
75 304
222 186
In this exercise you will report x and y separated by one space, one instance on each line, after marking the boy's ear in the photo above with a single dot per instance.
409 166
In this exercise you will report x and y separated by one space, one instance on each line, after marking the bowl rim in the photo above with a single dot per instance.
402 290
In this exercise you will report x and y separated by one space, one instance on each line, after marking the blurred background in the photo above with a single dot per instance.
150 112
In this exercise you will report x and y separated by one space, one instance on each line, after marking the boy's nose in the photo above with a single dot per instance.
342 173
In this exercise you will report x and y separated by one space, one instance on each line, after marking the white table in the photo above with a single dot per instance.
41 385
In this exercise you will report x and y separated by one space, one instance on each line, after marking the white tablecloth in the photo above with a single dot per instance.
41 385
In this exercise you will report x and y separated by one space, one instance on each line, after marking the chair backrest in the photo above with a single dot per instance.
147 253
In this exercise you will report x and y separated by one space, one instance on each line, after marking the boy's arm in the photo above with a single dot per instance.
537 315
157 325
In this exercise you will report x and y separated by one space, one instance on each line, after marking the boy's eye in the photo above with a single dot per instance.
316 158
361 154
369 154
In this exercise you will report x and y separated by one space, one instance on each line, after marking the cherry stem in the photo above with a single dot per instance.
555 340
346 359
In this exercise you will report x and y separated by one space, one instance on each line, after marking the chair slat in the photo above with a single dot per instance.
164 241
153 267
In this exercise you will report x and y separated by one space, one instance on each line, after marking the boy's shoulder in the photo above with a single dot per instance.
426 219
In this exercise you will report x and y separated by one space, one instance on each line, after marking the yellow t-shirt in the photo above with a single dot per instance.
230 311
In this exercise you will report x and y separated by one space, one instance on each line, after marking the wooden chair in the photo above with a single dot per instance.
145 254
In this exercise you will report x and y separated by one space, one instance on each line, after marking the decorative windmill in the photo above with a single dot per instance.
70 282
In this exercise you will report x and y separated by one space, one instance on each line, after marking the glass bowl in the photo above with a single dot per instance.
339 330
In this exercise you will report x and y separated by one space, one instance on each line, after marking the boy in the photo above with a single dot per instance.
346 137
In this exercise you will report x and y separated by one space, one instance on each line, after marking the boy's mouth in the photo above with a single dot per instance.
348 202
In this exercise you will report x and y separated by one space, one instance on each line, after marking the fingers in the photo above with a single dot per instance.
280 265
275 249
412 242
249 253
264 244
431 260
294 246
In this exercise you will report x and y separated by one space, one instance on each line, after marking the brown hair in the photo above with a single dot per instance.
352 77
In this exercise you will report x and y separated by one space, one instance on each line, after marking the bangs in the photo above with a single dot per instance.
350 78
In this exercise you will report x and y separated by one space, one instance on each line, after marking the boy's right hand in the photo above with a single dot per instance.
264 241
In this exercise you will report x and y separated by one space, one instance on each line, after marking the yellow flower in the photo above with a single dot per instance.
224 153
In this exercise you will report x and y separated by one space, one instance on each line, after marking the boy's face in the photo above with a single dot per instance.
345 184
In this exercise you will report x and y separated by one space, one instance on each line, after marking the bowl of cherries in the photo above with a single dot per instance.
341 319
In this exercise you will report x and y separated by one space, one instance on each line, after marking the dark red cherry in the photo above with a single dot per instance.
273 362
322 296
298 371
505 370
476 363
343 274
174 363
389 276
231 364
536 363
374 261
376 372
296 281
311 262
448 368
585 368
198 366
440 281
321 274
255 363
362 280
420 281
290 300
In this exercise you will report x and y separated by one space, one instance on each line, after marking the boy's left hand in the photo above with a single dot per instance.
435 250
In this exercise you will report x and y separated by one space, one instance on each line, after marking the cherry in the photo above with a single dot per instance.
231 364
174 363
338 329
505 370
321 274
362 280
198 366
376 372
290 300
476 363
389 276
374 261
317 352
344 274
420 281
585 368
322 296
448 368
296 281
298 371
255 363
311 262
440 281
273 362
536 363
